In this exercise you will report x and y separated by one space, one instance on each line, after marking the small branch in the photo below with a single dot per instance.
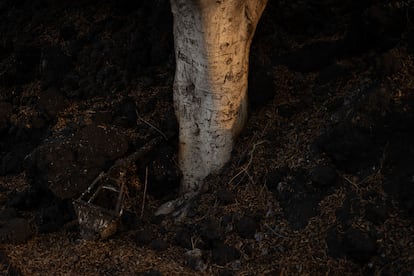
274 232
246 167
145 192
153 127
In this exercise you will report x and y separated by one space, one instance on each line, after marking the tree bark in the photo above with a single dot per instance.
212 42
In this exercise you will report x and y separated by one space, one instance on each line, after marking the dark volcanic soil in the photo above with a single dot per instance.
321 181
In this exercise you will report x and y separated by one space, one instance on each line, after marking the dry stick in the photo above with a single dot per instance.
152 126
145 191
274 232
244 169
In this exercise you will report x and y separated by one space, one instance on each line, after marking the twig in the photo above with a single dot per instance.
145 191
152 126
246 167
274 232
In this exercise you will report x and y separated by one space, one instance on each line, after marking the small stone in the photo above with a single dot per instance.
359 245
152 272
324 176
225 197
143 237
223 254
183 238
17 230
376 213
159 245
246 227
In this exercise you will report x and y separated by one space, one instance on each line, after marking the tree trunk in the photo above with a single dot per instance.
212 43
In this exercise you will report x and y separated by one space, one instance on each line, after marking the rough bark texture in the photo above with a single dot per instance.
212 43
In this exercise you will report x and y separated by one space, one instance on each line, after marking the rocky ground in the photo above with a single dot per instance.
321 181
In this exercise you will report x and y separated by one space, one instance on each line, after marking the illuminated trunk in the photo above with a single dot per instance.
212 42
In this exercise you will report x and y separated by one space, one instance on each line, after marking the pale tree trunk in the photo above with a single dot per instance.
212 42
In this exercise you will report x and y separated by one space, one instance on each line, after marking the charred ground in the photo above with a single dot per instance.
320 181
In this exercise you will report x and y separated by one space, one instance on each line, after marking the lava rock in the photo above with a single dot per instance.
324 176
183 238
29 198
376 213
225 196
388 64
17 230
68 165
334 241
223 254
6 110
311 57
378 27
246 227
54 64
286 110
7 214
53 216
210 232
359 246
332 73
126 113
159 245
350 148
11 162
143 237
261 87
52 101
22 68
152 272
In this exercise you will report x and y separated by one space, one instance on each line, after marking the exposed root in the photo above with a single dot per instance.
177 208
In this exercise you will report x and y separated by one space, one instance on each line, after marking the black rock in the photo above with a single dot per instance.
6 110
210 232
225 196
68 165
286 110
226 272
350 148
359 245
334 241
388 64
324 176
159 245
126 113
143 237
223 254
52 217
246 227
7 214
261 87
54 64
29 198
311 57
332 73
52 101
67 32
378 27
183 238
17 230
376 213
152 272
11 162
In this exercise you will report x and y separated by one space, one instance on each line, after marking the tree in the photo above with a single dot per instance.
212 43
